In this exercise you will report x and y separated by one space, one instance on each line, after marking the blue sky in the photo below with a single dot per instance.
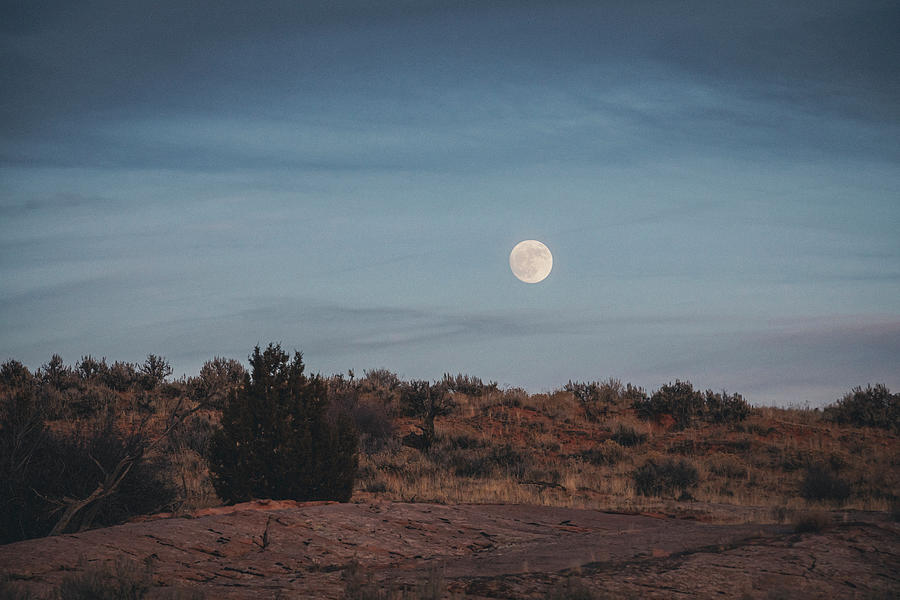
719 185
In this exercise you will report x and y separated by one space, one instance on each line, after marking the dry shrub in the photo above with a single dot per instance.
122 580
13 590
570 588
375 425
608 453
780 513
726 465
476 460
814 521
598 398
685 404
665 477
628 436
360 584
820 484
870 407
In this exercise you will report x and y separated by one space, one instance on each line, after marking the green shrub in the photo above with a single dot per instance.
870 407
820 483
665 478
275 440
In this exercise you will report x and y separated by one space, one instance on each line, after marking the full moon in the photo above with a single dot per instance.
531 261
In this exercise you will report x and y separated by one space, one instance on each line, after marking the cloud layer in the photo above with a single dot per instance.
349 177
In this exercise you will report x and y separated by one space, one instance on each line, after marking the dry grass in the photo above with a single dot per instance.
506 446
555 456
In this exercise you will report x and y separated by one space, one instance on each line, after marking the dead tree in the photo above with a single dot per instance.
426 401
86 508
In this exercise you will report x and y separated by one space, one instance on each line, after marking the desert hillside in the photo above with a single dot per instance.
597 484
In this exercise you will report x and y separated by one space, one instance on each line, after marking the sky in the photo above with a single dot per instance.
718 182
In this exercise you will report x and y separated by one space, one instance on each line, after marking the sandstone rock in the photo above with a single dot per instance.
263 549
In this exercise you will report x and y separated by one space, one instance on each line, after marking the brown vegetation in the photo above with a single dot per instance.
597 445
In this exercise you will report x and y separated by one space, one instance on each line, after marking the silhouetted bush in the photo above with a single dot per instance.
56 374
276 441
154 371
685 404
121 376
666 477
628 436
870 407
91 368
820 483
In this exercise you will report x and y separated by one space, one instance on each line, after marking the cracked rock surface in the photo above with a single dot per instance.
296 550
